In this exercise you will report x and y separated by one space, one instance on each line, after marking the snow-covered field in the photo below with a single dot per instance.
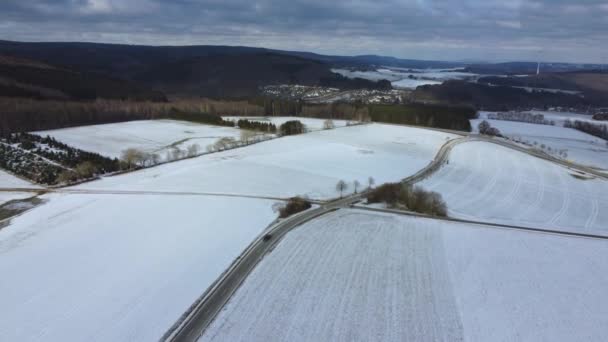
157 136
355 276
582 148
493 183
310 123
308 164
117 267
9 181
413 84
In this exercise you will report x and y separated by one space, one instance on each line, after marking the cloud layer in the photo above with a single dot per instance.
552 30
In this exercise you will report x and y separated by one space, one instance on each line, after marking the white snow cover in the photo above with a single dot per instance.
355 276
582 148
308 164
399 77
9 181
148 135
117 267
310 123
489 182
413 84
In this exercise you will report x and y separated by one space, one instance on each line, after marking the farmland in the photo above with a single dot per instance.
149 243
352 275
117 267
579 147
155 136
308 164
492 183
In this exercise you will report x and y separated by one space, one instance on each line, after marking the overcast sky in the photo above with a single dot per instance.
495 30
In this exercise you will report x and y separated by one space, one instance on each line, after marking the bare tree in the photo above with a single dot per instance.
371 182
247 136
175 154
193 150
86 169
341 187
356 185
155 158
328 124
132 157
224 143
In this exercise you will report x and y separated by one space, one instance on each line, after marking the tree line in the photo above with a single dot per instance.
26 115
598 130
267 127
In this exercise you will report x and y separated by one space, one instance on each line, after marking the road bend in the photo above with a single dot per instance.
199 316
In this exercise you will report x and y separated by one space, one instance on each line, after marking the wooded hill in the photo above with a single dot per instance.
126 71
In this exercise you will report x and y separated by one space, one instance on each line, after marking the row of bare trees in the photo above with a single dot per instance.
342 186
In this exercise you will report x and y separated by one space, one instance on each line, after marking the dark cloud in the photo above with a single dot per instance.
557 30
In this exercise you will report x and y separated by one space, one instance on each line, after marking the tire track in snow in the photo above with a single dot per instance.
354 273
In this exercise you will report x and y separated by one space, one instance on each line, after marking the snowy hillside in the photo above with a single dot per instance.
580 147
489 182
308 164
157 136
117 267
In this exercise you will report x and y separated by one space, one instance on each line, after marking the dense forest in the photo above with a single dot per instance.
21 115
502 98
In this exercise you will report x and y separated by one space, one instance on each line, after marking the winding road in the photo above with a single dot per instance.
193 323
199 316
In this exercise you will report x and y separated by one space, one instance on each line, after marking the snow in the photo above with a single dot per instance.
582 148
116 267
345 277
156 136
400 78
9 181
308 164
488 182
355 276
413 84
310 123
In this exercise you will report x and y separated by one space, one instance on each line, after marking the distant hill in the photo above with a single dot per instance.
128 60
501 97
576 81
213 71
236 75
527 68
21 77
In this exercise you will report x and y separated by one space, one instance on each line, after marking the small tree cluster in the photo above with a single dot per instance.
292 127
267 127
538 119
28 165
486 129
414 198
293 206
133 158
49 148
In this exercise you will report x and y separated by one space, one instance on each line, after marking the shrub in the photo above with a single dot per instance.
294 206
414 198
292 127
